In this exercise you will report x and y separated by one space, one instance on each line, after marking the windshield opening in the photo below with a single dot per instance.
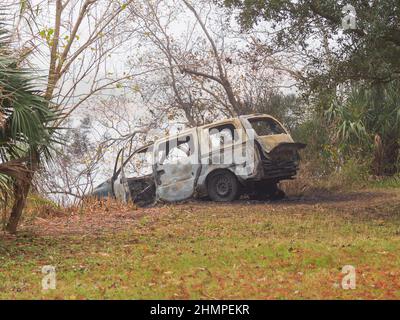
140 164
266 126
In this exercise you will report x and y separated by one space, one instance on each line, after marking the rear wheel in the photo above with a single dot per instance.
223 186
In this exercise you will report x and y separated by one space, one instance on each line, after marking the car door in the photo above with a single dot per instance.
224 142
119 181
228 148
177 166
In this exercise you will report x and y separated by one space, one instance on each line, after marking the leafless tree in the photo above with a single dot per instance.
207 69
73 41
88 155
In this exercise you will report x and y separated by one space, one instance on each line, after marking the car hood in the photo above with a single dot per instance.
268 143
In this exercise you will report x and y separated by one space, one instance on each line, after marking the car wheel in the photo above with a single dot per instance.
223 186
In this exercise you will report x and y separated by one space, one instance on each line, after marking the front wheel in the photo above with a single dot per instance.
223 186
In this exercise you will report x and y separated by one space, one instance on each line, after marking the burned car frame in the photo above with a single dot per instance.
222 160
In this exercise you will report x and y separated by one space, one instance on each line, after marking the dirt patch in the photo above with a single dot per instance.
88 224
376 204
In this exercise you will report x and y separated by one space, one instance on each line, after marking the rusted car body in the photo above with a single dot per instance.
247 155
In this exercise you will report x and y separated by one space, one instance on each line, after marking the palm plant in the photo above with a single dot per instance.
25 130
368 120
347 119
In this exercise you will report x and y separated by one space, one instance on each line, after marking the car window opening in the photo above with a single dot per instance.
266 126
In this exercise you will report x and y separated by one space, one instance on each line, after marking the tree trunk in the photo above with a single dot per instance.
391 152
21 191
377 163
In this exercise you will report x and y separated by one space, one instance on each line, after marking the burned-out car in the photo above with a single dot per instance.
223 160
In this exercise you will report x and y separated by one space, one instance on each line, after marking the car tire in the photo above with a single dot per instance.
222 186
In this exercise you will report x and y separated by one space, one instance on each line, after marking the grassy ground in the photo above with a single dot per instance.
291 249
